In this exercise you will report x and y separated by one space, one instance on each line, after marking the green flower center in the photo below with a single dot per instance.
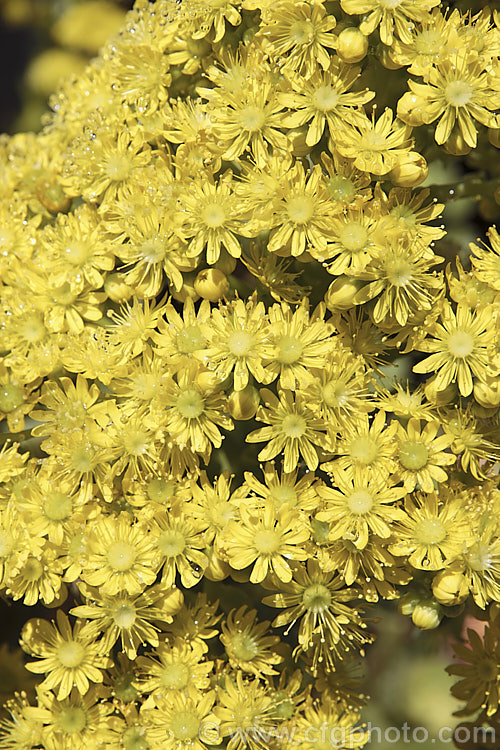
360 502
72 720
57 506
70 654
302 32
244 646
334 394
117 167
185 726
340 188
190 403
413 455
133 739
172 543
77 253
430 531
294 426
267 541
460 344
458 93
153 251
428 42
160 490
399 272
11 396
290 350
136 442
316 598
190 340
121 556
175 676
32 330
33 569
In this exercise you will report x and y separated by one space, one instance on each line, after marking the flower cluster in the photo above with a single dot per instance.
216 264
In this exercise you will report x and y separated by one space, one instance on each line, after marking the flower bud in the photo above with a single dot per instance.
244 404
450 587
225 262
427 615
211 284
352 45
410 171
116 288
341 292
410 109
487 392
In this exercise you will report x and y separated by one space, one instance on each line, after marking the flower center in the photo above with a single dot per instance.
360 502
428 42
72 720
294 426
353 236
252 118
121 556
63 295
316 598
190 340
479 557
363 449
133 739
334 394
57 506
300 209
153 251
430 531
11 396
172 543
124 616
244 646
185 726
302 32
175 676
136 442
32 330
399 272
77 253
487 670
267 541
117 167
413 455
213 215
160 490
70 654
341 188
461 344
325 98
458 93
190 403
240 343
289 350
33 569
282 494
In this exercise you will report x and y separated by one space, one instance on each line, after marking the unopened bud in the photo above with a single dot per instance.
243 404
450 587
211 284
427 615
410 171
352 45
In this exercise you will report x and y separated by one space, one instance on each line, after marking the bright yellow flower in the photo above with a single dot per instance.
394 17
70 657
283 490
461 346
421 455
180 721
248 643
178 544
293 429
174 666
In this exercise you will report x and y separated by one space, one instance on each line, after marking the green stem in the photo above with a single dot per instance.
473 186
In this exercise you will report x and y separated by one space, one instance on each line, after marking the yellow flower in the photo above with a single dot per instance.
397 17
486 260
237 342
363 505
326 725
328 627
175 666
421 455
433 532
366 445
265 541
177 542
120 557
298 33
459 90
246 712
180 721
293 429
280 491
324 98
69 656
127 617
179 337
375 146
36 576
248 643
461 347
